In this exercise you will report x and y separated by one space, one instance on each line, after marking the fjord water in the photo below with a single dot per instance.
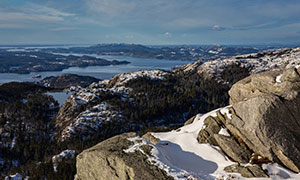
101 72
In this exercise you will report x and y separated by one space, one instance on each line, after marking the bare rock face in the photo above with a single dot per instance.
233 149
107 160
190 121
149 137
237 151
247 171
267 117
206 135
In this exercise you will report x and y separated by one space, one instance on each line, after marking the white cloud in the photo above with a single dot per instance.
38 9
32 13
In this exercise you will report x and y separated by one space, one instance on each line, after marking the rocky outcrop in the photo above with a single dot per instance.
266 115
212 127
190 121
149 137
108 160
264 119
239 66
125 78
86 111
230 145
246 171
237 152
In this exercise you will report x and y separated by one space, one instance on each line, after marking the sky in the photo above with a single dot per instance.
150 22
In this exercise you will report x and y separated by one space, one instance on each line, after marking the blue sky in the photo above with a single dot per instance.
149 21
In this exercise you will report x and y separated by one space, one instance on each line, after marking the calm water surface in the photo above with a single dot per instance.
60 97
101 72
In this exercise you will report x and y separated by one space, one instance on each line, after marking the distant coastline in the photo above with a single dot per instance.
22 62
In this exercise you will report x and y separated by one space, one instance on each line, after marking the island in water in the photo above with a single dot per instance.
33 61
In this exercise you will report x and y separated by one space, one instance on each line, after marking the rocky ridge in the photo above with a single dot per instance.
254 134
266 115
81 103
70 120
274 59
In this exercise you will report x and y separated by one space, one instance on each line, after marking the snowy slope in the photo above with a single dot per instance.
182 157
275 59
91 119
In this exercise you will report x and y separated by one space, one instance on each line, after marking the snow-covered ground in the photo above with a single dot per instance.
66 154
257 62
118 85
182 157
124 78
91 119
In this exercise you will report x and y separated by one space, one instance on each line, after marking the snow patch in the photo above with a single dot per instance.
123 79
181 151
277 172
66 154
226 111
182 157
92 93
138 142
13 143
224 132
278 78
275 59
156 158
91 119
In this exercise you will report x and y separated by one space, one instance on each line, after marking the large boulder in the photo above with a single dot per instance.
266 115
108 160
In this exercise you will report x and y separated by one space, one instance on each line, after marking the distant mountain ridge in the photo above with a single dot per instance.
180 52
